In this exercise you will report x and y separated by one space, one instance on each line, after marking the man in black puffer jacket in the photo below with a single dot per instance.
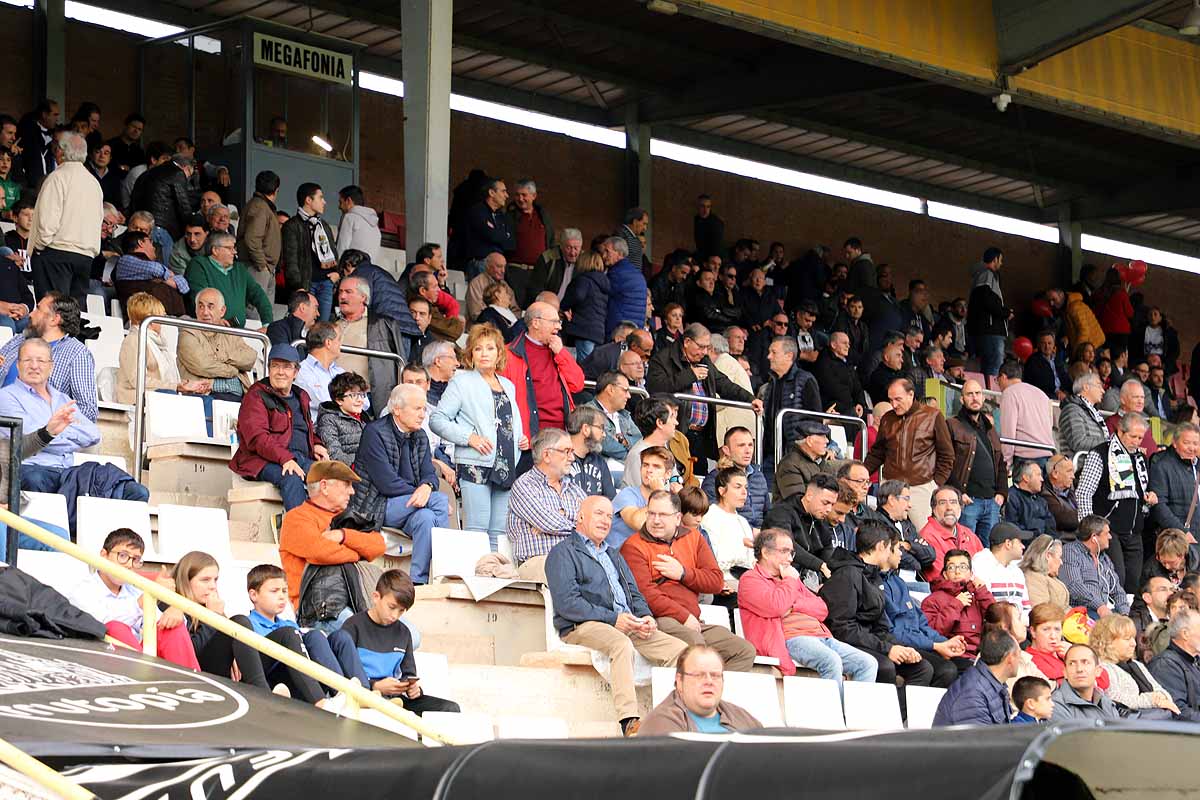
857 605
788 385
164 192
804 517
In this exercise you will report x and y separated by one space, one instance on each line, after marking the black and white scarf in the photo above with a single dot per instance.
1127 472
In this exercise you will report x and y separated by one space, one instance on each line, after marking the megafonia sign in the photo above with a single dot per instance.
303 59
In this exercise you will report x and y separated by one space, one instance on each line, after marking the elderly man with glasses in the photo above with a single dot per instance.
544 372
543 504
230 277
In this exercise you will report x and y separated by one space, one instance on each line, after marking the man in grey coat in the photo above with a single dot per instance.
1078 697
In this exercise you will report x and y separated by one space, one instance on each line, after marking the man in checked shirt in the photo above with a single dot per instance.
543 506
56 319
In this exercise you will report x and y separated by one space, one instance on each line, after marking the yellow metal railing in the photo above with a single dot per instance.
30 767
356 696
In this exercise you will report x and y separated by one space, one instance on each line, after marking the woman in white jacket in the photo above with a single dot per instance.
478 413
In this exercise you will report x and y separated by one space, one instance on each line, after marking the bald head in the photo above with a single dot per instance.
1133 396
595 518
972 396
210 306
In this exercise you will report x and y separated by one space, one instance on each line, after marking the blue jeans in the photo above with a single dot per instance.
831 659
418 523
980 516
583 348
991 354
337 653
36 478
485 508
16 326
27 542
322 289
290 486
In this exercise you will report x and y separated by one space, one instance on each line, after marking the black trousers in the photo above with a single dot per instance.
427 702
299 684
221 651
1125 550
65 272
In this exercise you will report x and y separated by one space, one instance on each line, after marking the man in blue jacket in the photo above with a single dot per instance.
400 486
980 696
597 605
911 628
1178 667
626 286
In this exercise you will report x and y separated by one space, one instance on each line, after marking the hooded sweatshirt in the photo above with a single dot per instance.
950 617
359 230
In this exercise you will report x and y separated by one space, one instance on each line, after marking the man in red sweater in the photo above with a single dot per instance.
943 531
673 566
543 371
957 605
305 537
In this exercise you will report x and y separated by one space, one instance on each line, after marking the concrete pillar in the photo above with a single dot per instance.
1069 232
426 68
640 170
50 58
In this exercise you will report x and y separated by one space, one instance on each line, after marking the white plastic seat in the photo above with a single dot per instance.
456 552
57 570
225 417
5 334
174 417
231 586
463 727
715 615
99 458
106 383
754 692
97 517
45 507
434 671
95 306
812 703
456 282
872 706
504 547
182 529
520 727
922 704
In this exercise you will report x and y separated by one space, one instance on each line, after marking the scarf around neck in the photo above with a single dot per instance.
1126 472
318 237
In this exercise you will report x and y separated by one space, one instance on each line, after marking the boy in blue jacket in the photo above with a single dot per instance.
385 645
1031 696
911 628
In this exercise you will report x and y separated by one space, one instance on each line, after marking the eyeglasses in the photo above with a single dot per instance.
860 481
712 676
38 362
355 396
660 514
562 450
956 568
123 557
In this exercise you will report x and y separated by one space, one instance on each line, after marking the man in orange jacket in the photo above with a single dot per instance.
673 566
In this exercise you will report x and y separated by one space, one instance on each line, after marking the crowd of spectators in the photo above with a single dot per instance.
602 411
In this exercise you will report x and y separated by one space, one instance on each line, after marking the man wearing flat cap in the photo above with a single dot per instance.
808 456
305 536
276 442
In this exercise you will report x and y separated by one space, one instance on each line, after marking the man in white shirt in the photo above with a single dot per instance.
999 566
324 344
66 223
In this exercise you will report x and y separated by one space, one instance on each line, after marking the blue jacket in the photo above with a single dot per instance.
1029 512
579 586
587 298
976 698
626 296
908 622
758 494
487 231
1179 674
387 298
384 474
466 407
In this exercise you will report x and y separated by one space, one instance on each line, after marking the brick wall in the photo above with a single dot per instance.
580 182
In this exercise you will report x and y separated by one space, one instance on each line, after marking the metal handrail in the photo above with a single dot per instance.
1077 459
351 350
152 593
1023 443
139 412
821 415
639 391
722 402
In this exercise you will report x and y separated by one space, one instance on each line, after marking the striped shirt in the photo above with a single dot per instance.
1006 583
634 243
74 372
538 516
1092 583
131 268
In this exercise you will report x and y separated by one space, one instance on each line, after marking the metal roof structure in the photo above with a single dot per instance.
729 89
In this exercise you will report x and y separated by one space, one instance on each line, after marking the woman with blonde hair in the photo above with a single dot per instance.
478 413
1130 684
1040 564
161 372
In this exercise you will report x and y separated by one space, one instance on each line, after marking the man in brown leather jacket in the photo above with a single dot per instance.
979 469
913 445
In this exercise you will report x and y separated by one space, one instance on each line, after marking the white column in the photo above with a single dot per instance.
427 32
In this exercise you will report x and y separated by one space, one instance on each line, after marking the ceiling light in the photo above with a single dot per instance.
1191 23
321 143
662 7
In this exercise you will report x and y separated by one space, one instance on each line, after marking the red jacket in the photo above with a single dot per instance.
950 618
943 542
570 376
764 601
264 429
666 597
1117 312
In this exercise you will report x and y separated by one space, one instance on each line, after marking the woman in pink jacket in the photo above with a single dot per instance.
783 619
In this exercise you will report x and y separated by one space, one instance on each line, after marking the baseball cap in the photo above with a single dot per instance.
284 352
1006 530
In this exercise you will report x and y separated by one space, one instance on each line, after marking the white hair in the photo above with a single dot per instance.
403 394
719 343
142 216
527 183
364 288
619 245
435 350
572 235
73 147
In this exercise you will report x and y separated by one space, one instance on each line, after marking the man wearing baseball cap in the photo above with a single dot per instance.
999 566
305 537
276 442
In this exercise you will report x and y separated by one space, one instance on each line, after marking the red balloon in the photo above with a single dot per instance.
1041 308
1136 272
1022 347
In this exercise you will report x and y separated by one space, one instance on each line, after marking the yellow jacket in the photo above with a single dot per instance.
1082 325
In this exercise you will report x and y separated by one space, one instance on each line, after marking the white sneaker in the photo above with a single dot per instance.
282 690
335 705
